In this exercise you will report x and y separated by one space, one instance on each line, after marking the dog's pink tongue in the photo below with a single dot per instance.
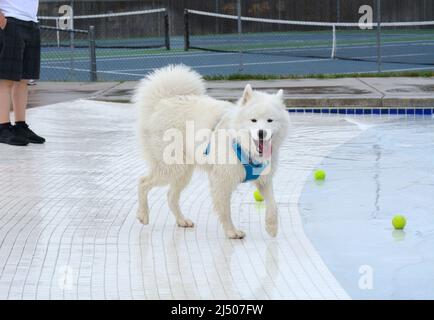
266 150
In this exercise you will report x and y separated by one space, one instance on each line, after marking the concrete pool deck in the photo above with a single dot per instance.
345 92
67 208
68 227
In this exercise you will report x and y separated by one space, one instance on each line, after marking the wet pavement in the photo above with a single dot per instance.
67 208
68 227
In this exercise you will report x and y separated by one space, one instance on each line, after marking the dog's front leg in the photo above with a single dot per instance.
271 220
221 196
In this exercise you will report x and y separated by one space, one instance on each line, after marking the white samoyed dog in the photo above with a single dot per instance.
181 128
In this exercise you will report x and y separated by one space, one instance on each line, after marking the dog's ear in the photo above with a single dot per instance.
279 94
247 94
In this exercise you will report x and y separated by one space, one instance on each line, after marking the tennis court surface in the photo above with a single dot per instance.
265 46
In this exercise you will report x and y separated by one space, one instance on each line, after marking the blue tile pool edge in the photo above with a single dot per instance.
366 111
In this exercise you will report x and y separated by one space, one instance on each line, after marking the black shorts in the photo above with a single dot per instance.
20 50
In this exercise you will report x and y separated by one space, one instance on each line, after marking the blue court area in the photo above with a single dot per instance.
384 171
355 53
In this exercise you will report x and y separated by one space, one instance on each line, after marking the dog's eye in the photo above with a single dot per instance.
270 120
254 120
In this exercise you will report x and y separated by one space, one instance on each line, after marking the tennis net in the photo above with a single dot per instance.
67 63
123 30
395 42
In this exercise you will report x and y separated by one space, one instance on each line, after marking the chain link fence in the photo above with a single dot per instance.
252 45
104 47
67 55
242 37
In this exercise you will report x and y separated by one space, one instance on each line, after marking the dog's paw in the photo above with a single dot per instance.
236 234
271 224
185 223
143 217
271 229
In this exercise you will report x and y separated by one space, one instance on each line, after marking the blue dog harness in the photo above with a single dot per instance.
252 168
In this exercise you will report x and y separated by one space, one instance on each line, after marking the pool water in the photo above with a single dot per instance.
387 169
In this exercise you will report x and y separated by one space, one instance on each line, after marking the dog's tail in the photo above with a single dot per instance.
168 82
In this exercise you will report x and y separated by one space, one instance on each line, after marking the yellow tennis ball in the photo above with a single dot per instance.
258 196
320 175
399 222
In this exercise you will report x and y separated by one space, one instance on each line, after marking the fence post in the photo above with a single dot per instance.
379 34
186 31
166 30
92 52
240 38
334 42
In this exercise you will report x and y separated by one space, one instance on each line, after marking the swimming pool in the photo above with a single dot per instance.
386 169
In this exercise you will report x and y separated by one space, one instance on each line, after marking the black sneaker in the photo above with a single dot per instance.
23 130
9 136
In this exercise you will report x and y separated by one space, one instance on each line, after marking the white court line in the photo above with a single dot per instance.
396 55
66 68
209 66
278 62
108 72
183 55
375 70
236 64
197 67
150 56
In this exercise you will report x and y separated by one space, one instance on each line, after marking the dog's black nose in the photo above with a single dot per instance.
262 134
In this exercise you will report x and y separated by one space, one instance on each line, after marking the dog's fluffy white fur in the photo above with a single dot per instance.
172 96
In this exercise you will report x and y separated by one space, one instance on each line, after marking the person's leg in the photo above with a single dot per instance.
31 69
5 100
19 100
8 134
